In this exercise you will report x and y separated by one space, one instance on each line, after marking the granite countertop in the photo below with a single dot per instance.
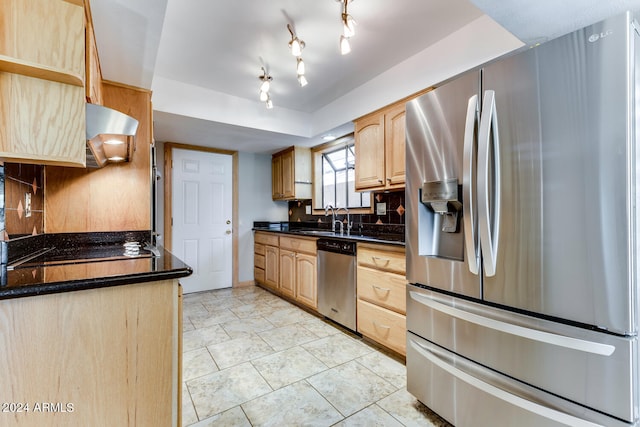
383 238
48 264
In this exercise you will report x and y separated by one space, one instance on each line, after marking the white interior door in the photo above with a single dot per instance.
202 213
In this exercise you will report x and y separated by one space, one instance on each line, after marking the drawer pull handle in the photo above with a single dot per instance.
377 325
382 260
381 289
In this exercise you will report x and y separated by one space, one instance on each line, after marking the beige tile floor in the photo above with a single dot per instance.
253 359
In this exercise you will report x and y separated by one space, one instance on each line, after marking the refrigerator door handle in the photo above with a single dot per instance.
511 329
499 393
469 185
489 186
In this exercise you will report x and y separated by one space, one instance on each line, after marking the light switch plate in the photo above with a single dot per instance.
307 209
381 208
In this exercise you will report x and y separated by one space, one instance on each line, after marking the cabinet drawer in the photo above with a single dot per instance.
383 326
266 238
258 248
258 275
258 261
381 258
298 245
382 288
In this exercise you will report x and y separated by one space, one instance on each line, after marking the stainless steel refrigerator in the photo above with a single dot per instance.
522 236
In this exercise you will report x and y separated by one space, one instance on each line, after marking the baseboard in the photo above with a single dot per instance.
245 284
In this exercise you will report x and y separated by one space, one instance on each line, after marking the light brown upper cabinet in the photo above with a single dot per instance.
42 70
291 174
93 85
379 148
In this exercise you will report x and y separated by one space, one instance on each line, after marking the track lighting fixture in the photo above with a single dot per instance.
264 88
295 45
348 28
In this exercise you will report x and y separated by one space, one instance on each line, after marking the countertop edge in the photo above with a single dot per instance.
361 239
93 283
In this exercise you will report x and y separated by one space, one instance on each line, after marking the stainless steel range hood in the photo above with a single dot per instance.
110 136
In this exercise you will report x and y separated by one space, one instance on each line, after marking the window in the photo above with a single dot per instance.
335 170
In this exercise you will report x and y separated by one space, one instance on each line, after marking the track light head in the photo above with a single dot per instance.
295 45
348 25
345 47
300 66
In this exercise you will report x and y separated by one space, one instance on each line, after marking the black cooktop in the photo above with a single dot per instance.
46 250
55 256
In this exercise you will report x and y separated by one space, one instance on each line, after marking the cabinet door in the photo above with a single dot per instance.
288 175
44 34
276 178
93 79
41 121
271 264
42 102
394 126
287 272
369 147
307 280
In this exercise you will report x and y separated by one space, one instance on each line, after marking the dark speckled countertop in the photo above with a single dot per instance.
393 235
46 264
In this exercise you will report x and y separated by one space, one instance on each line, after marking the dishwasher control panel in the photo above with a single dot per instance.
337 246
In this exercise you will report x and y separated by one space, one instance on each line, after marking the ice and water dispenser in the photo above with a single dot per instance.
440 220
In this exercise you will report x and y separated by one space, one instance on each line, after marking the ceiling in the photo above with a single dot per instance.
202 58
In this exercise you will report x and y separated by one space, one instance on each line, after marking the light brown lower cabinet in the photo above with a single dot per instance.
106 356
287 265
266 261
298 269
381 285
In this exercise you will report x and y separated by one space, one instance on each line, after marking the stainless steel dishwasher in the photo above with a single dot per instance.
337 281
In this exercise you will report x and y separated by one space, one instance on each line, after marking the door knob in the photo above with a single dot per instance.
228 221
228 232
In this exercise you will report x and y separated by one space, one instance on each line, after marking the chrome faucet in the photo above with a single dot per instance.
333 216
349 223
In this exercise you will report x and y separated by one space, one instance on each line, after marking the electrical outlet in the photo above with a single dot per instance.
381 208
27 205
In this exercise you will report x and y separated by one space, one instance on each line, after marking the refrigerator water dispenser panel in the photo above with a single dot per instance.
443 197
440 228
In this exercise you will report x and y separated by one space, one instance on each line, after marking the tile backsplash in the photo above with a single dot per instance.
22 207
392 203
